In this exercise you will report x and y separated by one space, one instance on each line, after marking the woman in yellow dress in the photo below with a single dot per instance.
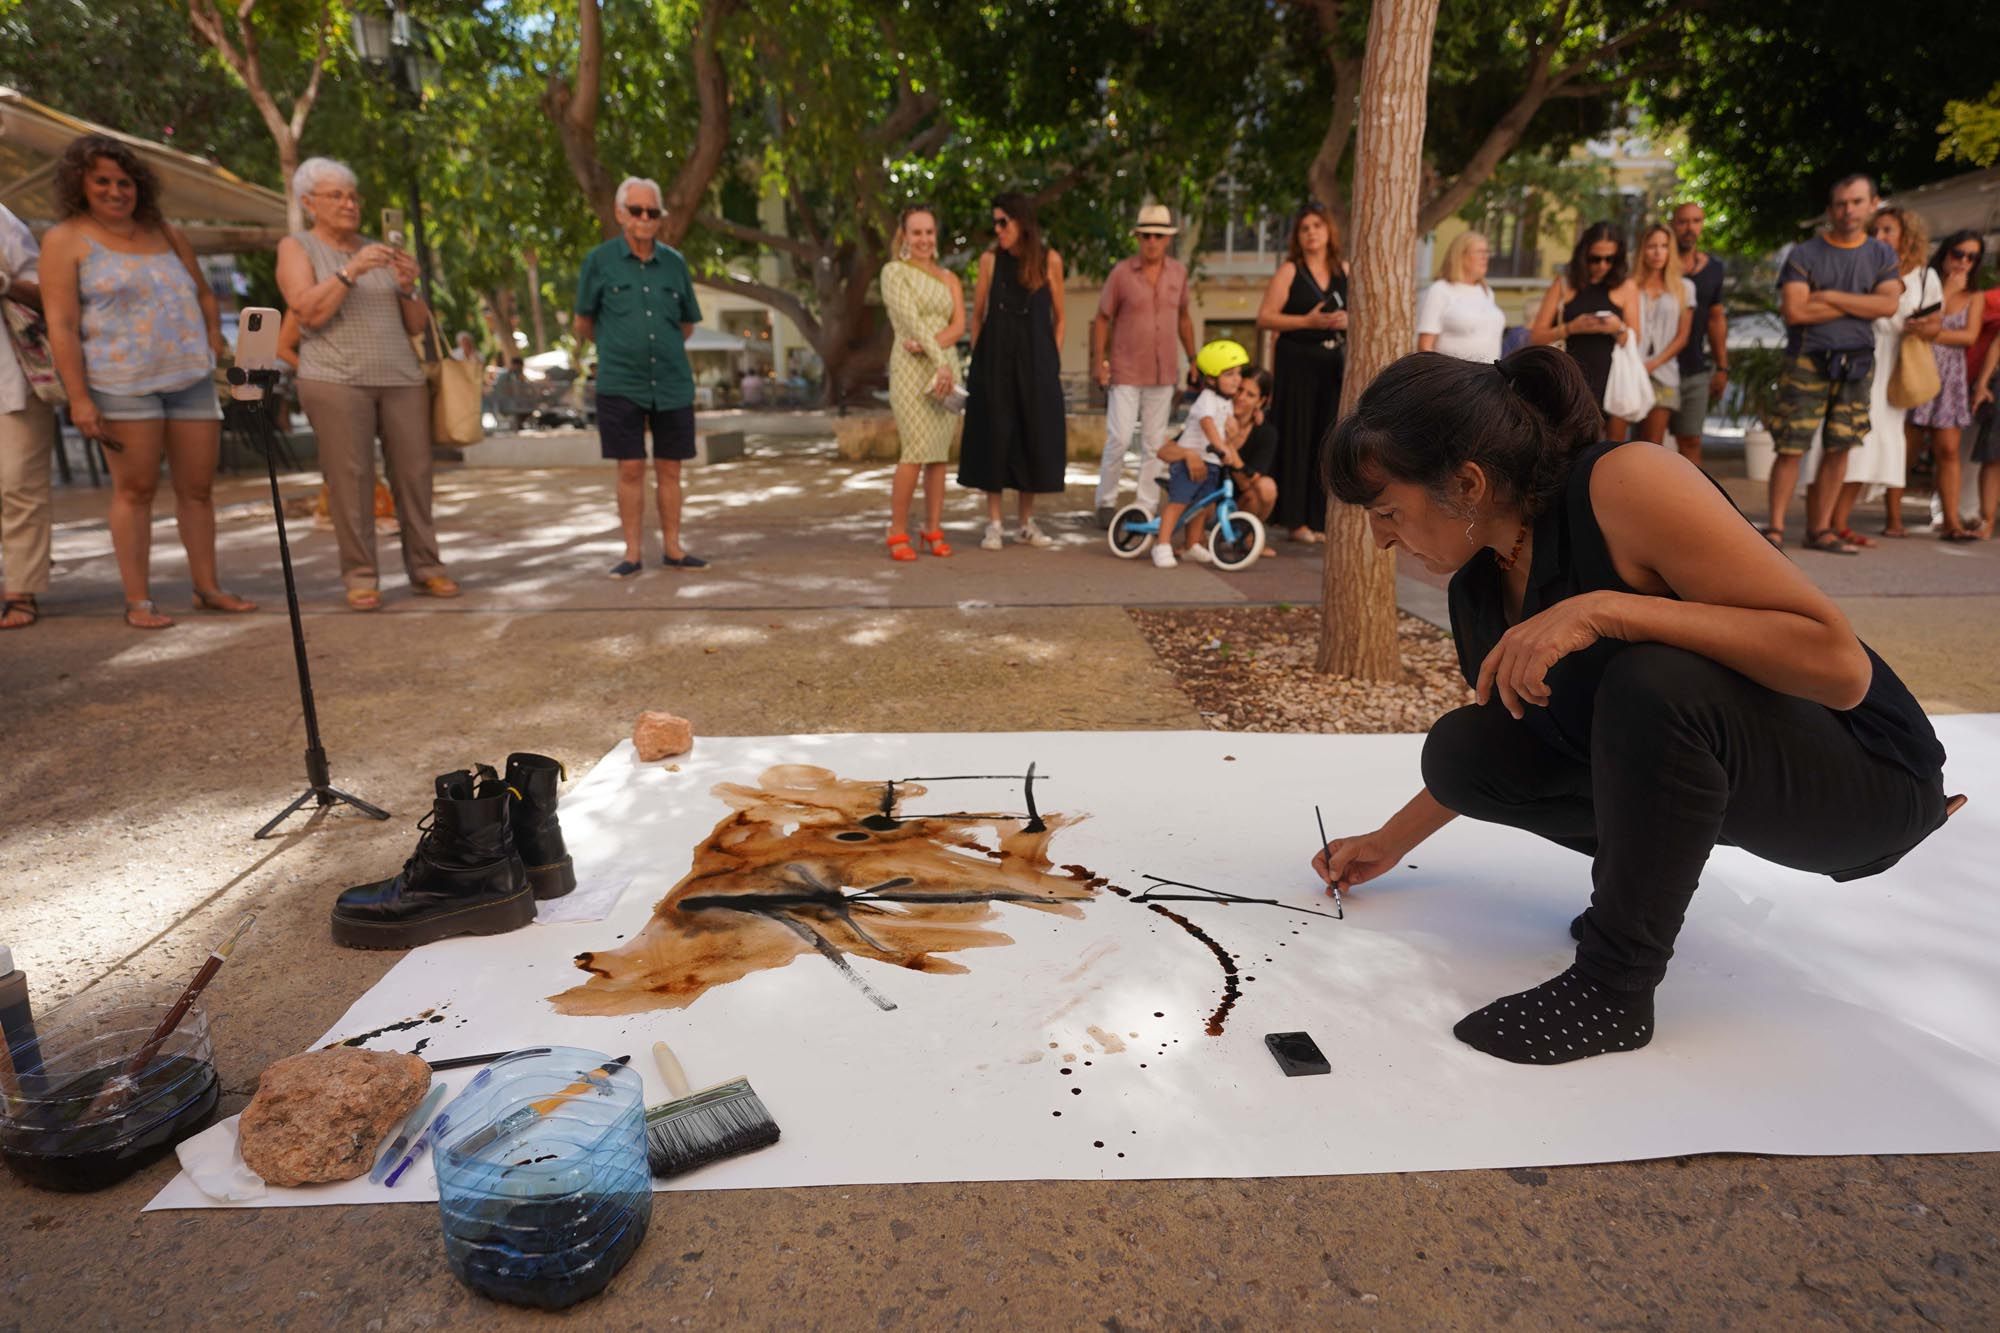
927 308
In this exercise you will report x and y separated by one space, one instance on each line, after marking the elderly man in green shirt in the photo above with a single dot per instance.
635 299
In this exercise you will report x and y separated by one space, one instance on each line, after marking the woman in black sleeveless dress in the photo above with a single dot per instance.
1653 679
1590 309
1306 305
1016 436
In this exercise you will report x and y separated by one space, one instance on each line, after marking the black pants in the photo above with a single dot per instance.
1685 753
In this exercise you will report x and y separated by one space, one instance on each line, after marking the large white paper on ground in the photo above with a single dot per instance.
1800 1015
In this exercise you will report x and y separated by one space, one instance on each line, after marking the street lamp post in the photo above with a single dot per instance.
393 46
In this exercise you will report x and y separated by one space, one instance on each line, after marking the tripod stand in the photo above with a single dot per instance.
253 418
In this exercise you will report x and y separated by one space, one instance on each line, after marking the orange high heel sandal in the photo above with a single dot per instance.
935 543
899 546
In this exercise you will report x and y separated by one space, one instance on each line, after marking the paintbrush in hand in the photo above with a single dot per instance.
121 1087
697 1128
1333 882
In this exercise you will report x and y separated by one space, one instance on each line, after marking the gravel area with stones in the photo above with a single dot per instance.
1252 670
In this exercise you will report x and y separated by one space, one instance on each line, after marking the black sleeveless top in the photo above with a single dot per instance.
1570 557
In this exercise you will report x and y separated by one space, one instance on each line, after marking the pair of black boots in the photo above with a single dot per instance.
491 848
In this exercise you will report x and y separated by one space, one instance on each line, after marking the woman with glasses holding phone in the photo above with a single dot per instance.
1591 308
1016 437
1942 421
357 307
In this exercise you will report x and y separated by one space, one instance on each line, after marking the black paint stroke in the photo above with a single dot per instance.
1231 990
1216 896
402 1025
833 955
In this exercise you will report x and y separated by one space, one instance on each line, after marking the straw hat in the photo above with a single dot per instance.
1155 220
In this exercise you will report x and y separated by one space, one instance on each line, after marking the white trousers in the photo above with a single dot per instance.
1146 406
26 437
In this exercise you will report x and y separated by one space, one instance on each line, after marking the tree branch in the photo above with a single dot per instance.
304 104
1493 149
711 135
1613 46
776 297
770 240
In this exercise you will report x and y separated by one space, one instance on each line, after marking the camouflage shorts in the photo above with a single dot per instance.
1807 398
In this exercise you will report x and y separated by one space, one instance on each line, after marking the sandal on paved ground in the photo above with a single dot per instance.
219 600
899 547
1853 538
21 604
437 585
934 542
1960 535
364 599
1775 536
1897 532
1828 542
145 615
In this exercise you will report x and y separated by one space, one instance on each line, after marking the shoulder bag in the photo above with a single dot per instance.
1915 380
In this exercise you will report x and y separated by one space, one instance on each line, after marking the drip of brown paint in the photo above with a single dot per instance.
785 875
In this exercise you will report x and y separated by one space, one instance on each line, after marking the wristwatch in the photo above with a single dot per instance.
345 281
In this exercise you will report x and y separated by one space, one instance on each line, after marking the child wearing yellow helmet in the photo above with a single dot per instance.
1195 471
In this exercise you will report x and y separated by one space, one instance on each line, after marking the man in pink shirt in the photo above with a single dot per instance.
1143 311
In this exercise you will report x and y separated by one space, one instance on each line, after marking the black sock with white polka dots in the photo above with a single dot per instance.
1564 1019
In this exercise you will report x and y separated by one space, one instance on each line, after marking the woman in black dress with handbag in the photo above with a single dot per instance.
1015 432
1591 308
1306 306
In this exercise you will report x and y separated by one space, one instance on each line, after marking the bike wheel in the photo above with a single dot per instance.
1132 530
1238 542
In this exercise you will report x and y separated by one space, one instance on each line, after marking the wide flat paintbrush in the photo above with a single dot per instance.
697 1128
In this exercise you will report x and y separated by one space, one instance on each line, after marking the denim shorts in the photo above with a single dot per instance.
1183 489
194 402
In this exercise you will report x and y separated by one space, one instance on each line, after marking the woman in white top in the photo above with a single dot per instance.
1666 315
1881 459
1457 314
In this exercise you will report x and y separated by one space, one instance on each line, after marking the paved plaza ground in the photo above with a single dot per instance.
139 764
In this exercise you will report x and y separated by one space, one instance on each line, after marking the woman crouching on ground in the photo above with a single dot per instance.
1652 679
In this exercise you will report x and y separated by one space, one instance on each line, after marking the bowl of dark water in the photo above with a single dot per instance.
78 1115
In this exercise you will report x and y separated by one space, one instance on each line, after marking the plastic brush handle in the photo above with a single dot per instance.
594 1079
671 1071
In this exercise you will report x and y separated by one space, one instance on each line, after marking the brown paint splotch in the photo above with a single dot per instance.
810 862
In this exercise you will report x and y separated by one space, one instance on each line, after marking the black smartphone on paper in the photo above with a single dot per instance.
1296 1053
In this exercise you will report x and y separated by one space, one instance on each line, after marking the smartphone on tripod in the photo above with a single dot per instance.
256 348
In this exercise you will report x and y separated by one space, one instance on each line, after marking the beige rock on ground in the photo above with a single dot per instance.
661 736
320 1116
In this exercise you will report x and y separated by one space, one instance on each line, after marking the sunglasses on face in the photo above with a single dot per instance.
1002 222
1969 256
1599 259
645 212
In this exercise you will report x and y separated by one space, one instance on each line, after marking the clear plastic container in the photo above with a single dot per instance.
546 1213
60 1130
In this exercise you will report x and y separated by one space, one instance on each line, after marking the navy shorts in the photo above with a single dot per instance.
621 429
1183 489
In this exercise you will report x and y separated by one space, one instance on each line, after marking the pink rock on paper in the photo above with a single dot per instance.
659 735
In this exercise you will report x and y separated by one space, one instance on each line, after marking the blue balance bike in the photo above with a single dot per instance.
1235 538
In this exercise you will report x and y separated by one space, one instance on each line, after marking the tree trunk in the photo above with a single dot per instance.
532 262
500 316
1357 635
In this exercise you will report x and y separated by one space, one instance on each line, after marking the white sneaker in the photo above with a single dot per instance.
1163 556
1199 554
1033 536
994 538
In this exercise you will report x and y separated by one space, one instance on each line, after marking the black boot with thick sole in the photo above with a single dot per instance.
532 779
465 877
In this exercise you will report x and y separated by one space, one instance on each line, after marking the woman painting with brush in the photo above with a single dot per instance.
1652 679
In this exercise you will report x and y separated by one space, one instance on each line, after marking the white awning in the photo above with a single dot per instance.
220 212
